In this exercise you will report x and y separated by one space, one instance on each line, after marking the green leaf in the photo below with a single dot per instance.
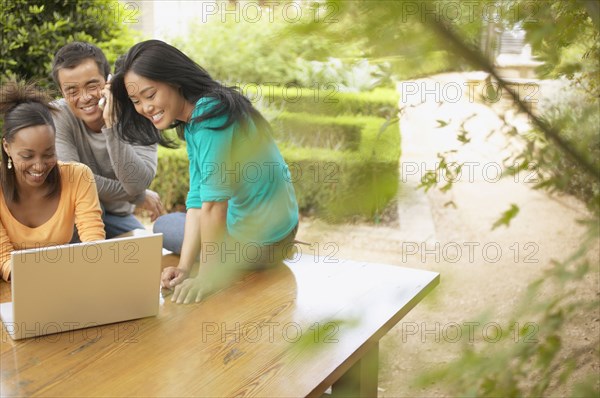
36 9
548 350
450 204
506 217
463 138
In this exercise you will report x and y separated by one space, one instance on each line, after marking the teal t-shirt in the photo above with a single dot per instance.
246 169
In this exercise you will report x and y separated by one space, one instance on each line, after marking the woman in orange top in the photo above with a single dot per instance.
41 199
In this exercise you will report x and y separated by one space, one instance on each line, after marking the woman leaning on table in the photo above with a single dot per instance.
235 222
41 199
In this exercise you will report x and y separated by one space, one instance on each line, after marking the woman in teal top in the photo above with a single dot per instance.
241 206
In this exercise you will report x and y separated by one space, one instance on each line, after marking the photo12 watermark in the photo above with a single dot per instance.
271 92
234 252
468 171
468 11
54 332
122 12
470 252
454 332
254 172
255 332
488 92
85 253
269 11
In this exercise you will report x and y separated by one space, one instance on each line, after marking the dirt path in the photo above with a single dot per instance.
481 270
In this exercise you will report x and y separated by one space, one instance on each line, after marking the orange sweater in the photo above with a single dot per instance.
78 205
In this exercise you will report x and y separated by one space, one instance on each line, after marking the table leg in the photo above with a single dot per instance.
360 380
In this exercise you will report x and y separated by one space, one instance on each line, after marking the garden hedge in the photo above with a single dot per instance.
316 131
342 185
334 185
172 177
327 100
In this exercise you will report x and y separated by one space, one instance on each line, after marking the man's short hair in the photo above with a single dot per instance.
73 54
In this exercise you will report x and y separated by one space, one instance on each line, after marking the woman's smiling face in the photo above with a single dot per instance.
160 102
33 154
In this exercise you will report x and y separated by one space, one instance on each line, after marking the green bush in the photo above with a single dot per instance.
360 75
327 100
304 130
578 122
33 30
235 49
334 185
172 177
340 186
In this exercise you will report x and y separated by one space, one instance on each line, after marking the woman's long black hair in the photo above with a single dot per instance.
159 61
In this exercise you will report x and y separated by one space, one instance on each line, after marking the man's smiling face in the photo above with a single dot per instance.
82 88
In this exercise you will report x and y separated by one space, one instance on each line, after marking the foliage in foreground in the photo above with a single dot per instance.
563 145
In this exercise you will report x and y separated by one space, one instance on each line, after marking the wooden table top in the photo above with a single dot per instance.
285 332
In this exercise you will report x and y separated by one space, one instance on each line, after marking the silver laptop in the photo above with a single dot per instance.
63 288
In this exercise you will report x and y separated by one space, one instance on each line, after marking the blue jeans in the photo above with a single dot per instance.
114 225
172 226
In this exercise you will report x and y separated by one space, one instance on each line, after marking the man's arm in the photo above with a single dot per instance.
134 166
110 190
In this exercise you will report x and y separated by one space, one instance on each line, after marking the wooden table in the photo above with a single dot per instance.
287 332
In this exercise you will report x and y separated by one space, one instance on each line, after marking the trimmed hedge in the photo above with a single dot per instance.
380 102
338 186
317 131
172 177
334 185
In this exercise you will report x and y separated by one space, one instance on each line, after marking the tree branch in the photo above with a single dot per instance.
477 59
